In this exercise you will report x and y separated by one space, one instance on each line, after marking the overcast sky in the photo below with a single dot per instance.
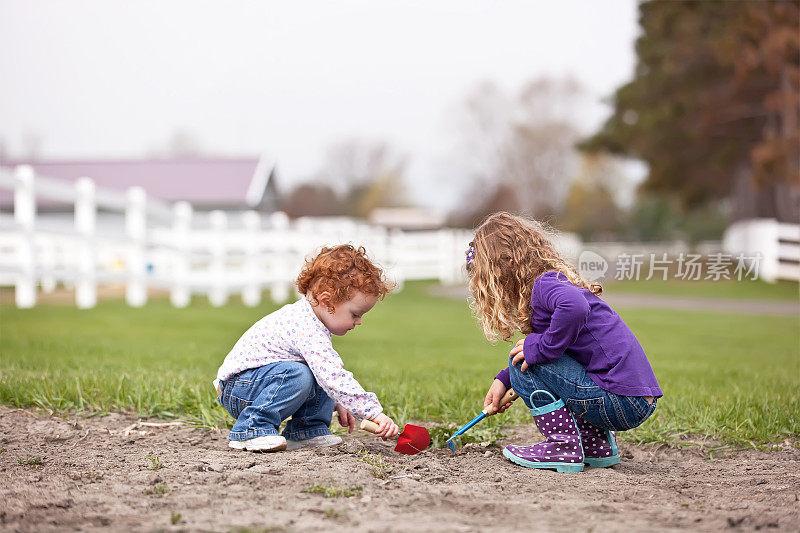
106 78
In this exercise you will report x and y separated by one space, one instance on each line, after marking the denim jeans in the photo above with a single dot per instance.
565 378
261 398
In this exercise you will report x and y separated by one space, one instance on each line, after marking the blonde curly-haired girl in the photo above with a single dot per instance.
579 368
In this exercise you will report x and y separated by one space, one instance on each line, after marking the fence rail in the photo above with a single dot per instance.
140 242
135 240
777 244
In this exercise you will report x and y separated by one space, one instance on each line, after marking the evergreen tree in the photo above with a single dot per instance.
713 107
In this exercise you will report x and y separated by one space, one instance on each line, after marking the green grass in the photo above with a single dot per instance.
729 377
159 489
732 378
35 462
334 492
726 289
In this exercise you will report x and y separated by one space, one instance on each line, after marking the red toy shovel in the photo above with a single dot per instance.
412 440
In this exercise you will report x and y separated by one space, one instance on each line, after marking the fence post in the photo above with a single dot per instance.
25 217
180 294
85 224
136 229
756 236
218 289
251 292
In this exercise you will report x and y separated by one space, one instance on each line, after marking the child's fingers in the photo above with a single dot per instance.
383 429
524 366
390 430
494 403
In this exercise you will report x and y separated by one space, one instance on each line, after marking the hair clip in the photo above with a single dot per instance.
470 254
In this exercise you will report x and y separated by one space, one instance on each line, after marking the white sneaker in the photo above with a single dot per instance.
236 444
320 440
267 443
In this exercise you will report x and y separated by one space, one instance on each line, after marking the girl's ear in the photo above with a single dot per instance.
323 298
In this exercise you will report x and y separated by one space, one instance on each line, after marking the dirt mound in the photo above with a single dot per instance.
120 473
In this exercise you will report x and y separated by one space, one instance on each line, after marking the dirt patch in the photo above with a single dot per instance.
113 473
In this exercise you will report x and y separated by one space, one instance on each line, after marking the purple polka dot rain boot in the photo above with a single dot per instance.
561 448
599 445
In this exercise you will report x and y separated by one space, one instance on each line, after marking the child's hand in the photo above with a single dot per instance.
516 353
346 418
386 427
493 397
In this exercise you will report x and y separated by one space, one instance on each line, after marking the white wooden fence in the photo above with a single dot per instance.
168 246
141 242
777 245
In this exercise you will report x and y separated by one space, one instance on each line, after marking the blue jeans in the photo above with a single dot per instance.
261 398
565 378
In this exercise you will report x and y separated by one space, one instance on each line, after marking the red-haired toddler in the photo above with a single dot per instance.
285 365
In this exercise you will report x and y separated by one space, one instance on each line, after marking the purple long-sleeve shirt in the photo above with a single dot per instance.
572 320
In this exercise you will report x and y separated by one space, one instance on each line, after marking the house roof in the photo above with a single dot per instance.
202 181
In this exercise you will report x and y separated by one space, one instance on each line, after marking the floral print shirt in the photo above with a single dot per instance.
294 333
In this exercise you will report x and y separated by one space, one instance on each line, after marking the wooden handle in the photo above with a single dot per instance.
369 425
372 427
508 397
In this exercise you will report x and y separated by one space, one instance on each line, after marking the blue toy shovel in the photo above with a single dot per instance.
509 397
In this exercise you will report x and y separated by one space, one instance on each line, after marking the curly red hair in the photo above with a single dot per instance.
342 271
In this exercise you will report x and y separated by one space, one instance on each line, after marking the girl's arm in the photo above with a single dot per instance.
337 382
569 311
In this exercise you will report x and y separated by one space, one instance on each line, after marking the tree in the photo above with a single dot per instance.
591 209
713 107
488 199
311 199
653 218
521 144
354 163
365 175
386 191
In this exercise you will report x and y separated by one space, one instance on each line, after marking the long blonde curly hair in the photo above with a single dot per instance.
510 253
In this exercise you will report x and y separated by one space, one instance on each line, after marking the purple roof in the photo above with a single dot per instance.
202 181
